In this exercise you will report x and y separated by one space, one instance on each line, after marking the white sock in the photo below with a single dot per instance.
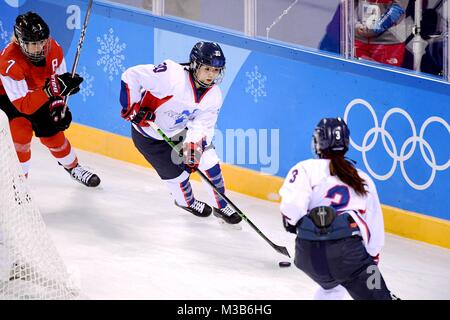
336 293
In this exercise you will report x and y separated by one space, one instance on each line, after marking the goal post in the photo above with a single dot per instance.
30 266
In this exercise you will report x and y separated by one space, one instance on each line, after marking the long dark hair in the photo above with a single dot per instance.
346 172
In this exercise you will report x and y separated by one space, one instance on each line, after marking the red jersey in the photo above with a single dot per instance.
22 81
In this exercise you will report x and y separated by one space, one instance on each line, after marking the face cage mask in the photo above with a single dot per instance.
36 56
196 67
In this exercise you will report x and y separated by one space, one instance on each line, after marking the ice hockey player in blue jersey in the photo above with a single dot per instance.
184 100
335 211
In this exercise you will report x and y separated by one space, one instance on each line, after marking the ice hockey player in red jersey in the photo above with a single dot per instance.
184 101
34 82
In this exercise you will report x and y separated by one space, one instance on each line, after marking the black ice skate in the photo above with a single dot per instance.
228 215
84 176
198 208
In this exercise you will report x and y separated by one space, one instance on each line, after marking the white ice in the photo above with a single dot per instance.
126 240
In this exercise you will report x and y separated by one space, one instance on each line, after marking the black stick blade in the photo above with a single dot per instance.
282 250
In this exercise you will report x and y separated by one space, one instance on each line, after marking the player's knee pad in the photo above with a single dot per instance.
180 189
54 141
208 160
21 130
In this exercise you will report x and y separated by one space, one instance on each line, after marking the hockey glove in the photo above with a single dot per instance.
56 113
289 227
192 152
62 85
138 114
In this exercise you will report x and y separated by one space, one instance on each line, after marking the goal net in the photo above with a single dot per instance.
30 266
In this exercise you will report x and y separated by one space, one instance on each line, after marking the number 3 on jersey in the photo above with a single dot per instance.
294 176
340 196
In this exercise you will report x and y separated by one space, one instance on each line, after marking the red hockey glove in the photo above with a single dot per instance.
138 115
62 122
62 85
376 259
192 152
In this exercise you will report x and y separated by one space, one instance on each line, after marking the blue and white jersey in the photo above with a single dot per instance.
169 91
309 184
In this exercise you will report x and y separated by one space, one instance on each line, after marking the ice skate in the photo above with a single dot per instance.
84 176
198 208
228 216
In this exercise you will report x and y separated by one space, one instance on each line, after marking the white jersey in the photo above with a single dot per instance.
168 89
309 184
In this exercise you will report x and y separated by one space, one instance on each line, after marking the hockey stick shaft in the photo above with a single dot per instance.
279 249
80 44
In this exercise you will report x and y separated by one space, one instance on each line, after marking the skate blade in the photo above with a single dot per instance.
236 226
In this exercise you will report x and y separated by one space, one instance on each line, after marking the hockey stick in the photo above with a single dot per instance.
277 248
77 55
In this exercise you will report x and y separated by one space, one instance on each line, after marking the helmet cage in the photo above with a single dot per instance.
195 67
32 34
40 51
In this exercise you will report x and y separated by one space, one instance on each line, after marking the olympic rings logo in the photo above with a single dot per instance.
391 150
15 3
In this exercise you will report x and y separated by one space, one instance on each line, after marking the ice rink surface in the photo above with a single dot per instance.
126 240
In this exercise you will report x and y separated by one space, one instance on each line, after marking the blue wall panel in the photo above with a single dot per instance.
273 97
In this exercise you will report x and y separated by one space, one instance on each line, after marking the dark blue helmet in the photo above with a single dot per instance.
331 135
31 28
210 54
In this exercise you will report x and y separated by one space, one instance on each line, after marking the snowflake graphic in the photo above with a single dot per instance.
255 84
111 54
86 86
3 33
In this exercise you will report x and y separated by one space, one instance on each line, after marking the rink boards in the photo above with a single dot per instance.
273 97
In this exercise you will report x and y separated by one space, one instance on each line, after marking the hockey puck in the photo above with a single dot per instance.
284 264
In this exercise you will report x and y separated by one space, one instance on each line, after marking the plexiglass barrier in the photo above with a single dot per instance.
407 34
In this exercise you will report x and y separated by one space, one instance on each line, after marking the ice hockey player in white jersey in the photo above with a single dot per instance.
184 100
335 211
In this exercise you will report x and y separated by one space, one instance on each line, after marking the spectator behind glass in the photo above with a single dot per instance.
380 30
433 59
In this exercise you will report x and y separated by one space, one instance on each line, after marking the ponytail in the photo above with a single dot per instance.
347 173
